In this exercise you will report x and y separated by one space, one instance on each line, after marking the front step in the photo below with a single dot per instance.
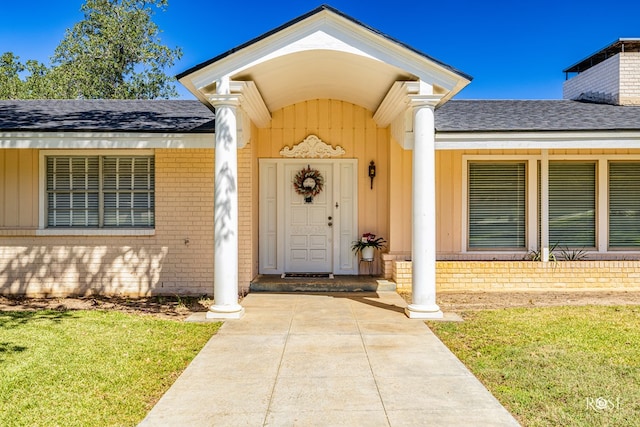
274 283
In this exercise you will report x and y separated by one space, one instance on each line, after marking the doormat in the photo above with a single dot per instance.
307 276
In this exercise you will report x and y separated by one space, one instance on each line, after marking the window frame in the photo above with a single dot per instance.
531 205
596 196
44 229
522 234
535 203
609 247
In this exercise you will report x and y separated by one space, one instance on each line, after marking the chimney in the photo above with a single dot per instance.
609 76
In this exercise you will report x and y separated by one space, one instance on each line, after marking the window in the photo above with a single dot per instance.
572 204
100 191
497 205
624 205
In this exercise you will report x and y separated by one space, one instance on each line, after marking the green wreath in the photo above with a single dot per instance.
308 182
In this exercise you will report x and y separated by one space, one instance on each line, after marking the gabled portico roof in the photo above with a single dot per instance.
320 55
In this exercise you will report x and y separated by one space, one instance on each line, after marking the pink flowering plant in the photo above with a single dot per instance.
368 240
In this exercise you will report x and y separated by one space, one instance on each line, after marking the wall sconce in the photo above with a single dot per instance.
372 172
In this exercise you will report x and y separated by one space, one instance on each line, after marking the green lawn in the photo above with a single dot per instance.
89 368
555 366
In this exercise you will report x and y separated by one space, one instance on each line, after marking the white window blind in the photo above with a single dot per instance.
624 205
100 191
128 191
572 204
73 191
497 205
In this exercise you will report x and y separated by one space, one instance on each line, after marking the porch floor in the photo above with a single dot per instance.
275 283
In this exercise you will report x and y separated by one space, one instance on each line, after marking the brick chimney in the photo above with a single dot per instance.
609 76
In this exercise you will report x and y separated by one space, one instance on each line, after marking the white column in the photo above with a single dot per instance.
423 287
225 286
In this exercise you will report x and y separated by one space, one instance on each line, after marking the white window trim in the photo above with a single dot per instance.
42 196
602 198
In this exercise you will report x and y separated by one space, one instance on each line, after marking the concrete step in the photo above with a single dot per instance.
273 283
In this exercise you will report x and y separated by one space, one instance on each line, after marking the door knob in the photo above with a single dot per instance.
330 224
330 218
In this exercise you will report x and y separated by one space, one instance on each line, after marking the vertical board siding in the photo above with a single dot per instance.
349 126
18 188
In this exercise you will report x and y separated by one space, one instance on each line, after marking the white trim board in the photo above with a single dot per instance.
537 140
104 140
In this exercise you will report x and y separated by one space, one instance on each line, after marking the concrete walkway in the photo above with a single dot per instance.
342 359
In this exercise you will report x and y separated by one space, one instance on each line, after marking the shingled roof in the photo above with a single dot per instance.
175 116
520 116
180 116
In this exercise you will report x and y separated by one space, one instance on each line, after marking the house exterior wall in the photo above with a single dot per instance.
614 81
457 276
450 207
176 259
351 127
600 83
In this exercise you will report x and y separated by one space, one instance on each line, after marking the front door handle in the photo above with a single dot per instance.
330 224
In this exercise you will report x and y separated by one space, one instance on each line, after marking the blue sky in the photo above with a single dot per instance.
514 49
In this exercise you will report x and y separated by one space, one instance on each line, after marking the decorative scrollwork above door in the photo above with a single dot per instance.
312 147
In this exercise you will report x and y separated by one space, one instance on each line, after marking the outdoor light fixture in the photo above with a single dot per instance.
372 172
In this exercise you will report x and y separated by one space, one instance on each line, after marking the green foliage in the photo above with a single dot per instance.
549 366
115 52
568 254
72 368
368 240
11 87
537 255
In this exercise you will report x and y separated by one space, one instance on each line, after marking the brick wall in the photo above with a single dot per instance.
599 83
614 81
388 262
630 78
527 275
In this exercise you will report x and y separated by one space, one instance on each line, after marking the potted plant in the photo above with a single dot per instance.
367 245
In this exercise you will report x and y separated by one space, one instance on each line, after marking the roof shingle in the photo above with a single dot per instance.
547 115
181 116
177 116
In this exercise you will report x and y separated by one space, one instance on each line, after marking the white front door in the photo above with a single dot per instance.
308 223
300 237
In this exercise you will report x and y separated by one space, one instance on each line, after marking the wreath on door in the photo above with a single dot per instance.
308 183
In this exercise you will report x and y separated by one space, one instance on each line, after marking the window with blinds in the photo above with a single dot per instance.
100 191
624 205
497 205
572 204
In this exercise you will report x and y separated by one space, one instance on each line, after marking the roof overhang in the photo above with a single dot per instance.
321 55
612 49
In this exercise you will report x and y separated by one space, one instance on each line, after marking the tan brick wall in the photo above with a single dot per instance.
178 259
630 78
388 262
402 274
527 275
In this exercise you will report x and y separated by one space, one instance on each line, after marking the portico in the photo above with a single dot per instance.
328 75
